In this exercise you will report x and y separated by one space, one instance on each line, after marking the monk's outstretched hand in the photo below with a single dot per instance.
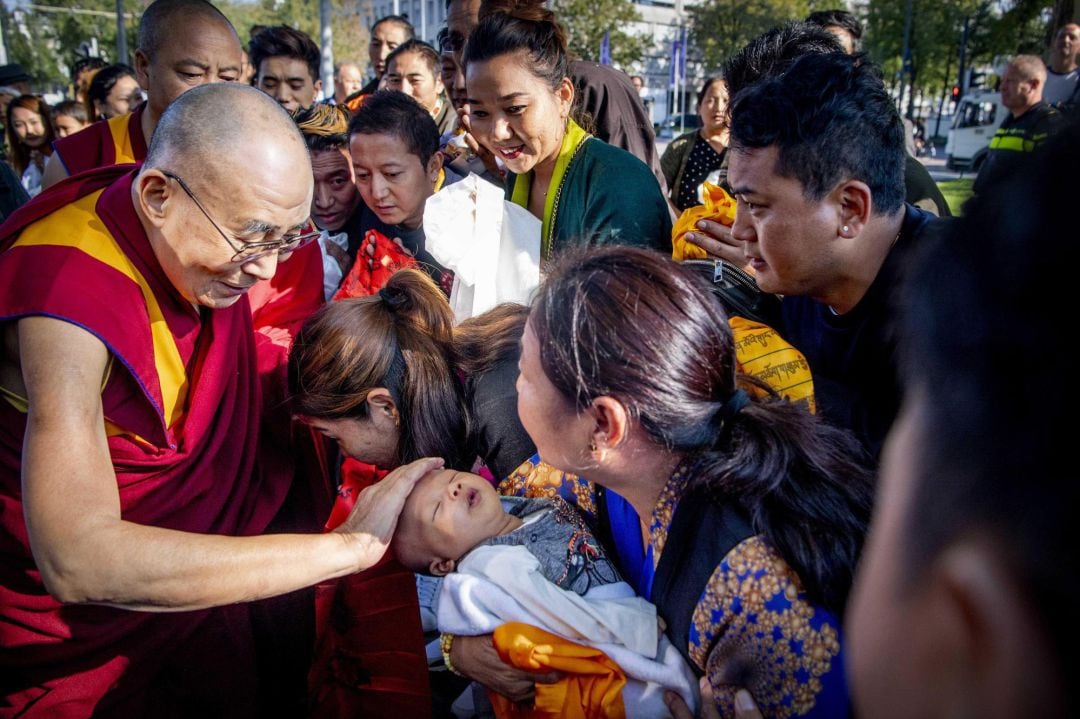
373 519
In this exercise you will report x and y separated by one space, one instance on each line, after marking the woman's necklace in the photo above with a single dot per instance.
546 243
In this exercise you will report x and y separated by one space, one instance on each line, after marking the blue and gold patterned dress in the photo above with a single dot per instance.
753 626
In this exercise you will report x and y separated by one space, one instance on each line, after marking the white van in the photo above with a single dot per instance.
977 118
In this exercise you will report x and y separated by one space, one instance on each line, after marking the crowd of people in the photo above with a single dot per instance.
256 460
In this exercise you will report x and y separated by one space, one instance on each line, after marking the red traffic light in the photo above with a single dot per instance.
956 92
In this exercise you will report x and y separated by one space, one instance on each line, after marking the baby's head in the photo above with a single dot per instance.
448 513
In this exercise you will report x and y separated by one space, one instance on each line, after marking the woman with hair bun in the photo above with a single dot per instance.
520 100
740 515
391 379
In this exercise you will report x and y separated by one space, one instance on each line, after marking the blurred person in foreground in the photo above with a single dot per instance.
964 601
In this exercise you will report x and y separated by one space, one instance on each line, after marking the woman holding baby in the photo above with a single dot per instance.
755 508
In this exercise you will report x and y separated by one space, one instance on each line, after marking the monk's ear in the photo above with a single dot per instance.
152 193
441 567
142 68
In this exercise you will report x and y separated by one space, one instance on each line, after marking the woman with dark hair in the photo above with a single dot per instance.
114 91
390 379
696 157
520 98
740 515
30 136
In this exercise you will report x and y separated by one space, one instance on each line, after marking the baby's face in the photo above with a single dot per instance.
448 513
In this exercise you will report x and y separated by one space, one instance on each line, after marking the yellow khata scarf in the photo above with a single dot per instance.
572 140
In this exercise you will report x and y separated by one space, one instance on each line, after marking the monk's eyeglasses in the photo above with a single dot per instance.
251 251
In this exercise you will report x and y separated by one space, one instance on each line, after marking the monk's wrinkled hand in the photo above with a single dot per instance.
718 242
373 519
476 658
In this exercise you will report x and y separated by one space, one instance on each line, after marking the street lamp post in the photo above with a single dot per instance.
905 59
326 35
121 34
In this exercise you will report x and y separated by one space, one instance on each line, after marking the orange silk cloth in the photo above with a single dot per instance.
590 686
719 206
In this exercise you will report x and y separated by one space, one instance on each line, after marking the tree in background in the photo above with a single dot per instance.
47 43
586 21
718 28
350 32
995 29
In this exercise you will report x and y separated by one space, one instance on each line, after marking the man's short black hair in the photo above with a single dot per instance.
832 120
86 63
70 108
388 112
837 18
774 51
399 20
430 54
284 41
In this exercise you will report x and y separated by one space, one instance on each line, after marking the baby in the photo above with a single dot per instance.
534 561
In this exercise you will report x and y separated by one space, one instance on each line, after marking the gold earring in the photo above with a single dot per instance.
592 445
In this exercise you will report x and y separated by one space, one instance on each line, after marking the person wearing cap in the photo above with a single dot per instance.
14 76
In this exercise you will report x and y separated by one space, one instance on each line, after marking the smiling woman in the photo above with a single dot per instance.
29 136
520 99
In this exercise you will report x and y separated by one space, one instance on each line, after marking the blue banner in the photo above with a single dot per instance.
676 64
605 49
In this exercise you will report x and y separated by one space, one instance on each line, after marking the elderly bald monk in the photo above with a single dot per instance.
131 493
181 44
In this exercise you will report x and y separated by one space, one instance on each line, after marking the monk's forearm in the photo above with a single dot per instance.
147 568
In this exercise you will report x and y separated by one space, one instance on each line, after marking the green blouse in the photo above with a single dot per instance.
603 196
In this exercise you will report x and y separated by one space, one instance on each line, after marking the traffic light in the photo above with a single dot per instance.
955 92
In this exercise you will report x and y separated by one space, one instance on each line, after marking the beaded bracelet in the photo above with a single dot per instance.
446 641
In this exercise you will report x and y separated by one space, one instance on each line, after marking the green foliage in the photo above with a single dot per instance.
349 32
721 27
996 29
46 43
586 21
1022 28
